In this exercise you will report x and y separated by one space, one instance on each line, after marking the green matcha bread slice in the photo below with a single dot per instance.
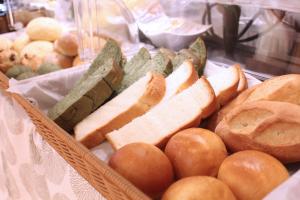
87 96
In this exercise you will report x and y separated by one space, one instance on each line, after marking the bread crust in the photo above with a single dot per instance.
272 129
243 83
215 119
153 94
193 77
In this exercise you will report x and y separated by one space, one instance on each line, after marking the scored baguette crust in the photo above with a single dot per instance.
268 126
184 110
215 119
243 83
151 95
284 88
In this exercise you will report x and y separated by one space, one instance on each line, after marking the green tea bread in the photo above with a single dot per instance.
16 70
168 52
111 50
199 49
47 68
137 61
87 96
26 75
160 63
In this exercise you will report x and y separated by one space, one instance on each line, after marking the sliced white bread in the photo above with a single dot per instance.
225 84
131 103
184 110
183 77
243 83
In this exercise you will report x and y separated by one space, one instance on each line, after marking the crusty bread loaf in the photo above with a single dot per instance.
215 119
131 103
183 77
243 83
269 126
284 88
225 84
184 110
44 28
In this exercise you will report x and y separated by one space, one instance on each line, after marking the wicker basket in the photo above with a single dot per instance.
105 180
3 81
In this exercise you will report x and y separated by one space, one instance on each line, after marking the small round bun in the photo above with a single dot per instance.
5 43
198 188
20 42
77 61
44 28
33 54
251 175
196 152
145 166
59 59
67 45
8 58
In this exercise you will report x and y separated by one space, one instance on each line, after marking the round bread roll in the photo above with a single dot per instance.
198 188
77 61
34 53
5 43
59 59
251 175
145 166
44 28
20 42
8 58
196 152
67 45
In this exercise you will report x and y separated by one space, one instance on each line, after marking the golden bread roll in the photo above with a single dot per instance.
269 126
5 43
251 175
44 28
144 165
34 53
77 61
8 58
198 188
196 152
20 42
59 59
67 45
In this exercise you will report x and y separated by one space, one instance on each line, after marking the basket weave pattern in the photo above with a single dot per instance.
105 180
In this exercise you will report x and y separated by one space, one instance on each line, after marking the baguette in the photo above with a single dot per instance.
184 110
131 103
268 126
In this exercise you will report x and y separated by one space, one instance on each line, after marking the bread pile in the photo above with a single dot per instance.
43 48
150 109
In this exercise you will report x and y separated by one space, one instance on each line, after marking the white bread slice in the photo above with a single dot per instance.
225 84
131 103
184 110
243 83
183 77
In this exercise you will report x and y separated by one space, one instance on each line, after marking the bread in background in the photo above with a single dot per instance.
20 42
67 45
251 175
44 28
59 59
8 58
5 43
33 54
